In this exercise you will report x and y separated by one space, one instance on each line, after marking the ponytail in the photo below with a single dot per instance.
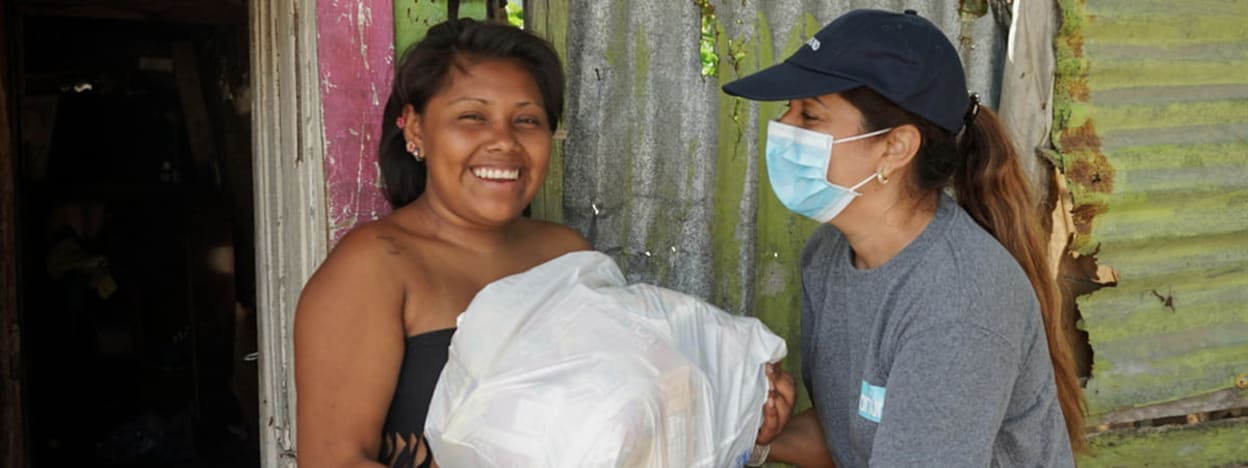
991 186
989 183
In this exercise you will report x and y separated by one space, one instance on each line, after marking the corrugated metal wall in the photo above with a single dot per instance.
654 148
662 170
1152 124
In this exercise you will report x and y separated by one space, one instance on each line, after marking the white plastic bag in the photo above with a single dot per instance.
567 366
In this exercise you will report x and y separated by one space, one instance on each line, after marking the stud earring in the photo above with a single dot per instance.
881 177
411 148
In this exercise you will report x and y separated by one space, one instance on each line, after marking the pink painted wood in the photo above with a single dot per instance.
355 48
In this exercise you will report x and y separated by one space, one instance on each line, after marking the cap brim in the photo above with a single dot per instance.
784 81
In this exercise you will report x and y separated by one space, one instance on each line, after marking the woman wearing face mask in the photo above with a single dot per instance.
930 323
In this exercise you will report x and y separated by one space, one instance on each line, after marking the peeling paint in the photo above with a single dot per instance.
352 48
1151 122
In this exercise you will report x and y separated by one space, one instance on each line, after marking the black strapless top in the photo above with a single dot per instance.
403 443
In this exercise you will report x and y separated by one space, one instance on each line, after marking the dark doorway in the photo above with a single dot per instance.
135 230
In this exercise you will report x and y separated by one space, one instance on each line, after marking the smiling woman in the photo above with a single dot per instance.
465 149
484 139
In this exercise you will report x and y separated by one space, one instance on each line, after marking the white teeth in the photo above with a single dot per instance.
496 174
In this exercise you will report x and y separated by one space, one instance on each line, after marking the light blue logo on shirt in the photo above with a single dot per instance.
871 402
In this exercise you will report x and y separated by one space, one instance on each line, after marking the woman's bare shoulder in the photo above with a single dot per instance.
379 240
372 256
556 239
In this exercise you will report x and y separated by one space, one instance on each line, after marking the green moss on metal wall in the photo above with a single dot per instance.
1168 73
641 64
1207 155
1167 30
1165 7
1149 114
1212 444
1179 114
730 181
1192 374
781 234
1161 310
1070 85
1162 257
1191 214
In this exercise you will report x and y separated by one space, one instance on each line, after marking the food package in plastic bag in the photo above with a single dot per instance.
566 365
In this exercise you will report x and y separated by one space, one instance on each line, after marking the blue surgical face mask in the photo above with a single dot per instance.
797 165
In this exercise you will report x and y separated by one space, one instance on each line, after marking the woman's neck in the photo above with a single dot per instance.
436 220
882 230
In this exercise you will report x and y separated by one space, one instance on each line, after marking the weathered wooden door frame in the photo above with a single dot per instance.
291 218
12 422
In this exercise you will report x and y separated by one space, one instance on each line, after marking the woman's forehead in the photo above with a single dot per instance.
490 76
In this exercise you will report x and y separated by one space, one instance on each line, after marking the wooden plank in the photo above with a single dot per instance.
291 220
1215 444
182 11
194 111
355 54
1027 90
12 426
549 19
1224 399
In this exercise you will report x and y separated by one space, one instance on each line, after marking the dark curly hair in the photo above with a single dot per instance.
424 71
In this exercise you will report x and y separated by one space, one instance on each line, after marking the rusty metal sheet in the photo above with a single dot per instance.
1151 119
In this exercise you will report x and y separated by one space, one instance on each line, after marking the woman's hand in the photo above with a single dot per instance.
779 405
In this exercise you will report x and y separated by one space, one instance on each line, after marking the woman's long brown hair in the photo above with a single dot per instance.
982 167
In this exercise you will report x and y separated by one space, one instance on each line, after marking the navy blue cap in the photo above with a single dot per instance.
902 56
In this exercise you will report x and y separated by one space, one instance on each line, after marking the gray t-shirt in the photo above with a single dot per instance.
936 358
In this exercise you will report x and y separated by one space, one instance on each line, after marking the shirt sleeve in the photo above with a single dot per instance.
946 397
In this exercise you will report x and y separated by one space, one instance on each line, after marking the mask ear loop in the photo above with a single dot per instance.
864 182
864 135
877 176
